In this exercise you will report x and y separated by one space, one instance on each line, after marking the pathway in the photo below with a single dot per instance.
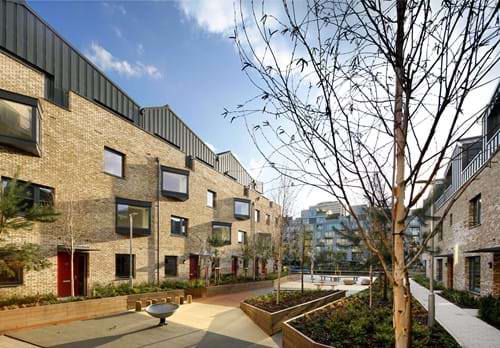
468 330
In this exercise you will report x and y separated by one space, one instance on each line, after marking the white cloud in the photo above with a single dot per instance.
140 49
216 16
107 62
113 7
117 31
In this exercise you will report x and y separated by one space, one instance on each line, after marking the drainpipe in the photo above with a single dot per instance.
158 189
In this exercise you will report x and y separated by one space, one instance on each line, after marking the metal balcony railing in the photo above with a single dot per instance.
473 167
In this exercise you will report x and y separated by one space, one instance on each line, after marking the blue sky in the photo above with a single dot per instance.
175 53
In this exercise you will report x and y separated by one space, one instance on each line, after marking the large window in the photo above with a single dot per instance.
8 279
221 233
211 198
175 183
19 121
475 211
171 266
242 237
122 265
474 273
33 194
178 225
114 162
141 215
241 208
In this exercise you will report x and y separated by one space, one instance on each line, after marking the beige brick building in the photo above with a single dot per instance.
468 248
99 165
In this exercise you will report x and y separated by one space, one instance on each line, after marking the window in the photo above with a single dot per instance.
114 162
211 199
439 270
122 264
241 208
474 274
171 266
221 233
470 151
475 211
11 279
439 231
178 225
268 219
33 194
451 219
175 183
245 263
141 216
257 215
242 237
19 122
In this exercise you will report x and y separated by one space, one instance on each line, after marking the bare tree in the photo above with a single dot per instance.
353 90
71 234
284 195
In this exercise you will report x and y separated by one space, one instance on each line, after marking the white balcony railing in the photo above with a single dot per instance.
473 167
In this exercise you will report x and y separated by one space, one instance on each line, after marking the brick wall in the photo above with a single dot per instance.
73 142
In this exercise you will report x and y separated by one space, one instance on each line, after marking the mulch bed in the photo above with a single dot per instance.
287 299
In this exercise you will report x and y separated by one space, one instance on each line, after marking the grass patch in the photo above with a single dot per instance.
287 299
353 324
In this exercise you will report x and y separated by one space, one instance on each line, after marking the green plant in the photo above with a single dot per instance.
27 301
424 281
489 310
182 284
460 298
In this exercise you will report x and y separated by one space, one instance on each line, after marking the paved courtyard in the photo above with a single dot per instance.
209 322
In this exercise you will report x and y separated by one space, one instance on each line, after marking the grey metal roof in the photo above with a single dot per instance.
27 36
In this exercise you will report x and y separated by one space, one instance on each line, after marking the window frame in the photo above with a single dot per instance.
134 271
245 240
36 190
225 224
256 215
18 279
135 203
475 208
214 195
241 216
439 270
172 233
181 196
176 265
123 157
471 274
32 145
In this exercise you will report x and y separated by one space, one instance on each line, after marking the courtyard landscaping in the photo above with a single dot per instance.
350 322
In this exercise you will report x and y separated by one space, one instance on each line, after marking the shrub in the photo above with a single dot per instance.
27 301
489 310
460 298
182 284
424 281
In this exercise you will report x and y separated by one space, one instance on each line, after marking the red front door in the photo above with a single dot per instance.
64 274
193 267
234 265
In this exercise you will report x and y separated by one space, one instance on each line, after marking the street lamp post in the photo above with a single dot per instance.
431 300
131 260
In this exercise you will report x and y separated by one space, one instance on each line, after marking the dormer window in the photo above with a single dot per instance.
175 183
241 208
19 122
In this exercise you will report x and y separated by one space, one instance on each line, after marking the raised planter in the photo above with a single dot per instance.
293 338
196 292
271 323
14 319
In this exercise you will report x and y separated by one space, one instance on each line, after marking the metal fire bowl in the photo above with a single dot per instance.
161 311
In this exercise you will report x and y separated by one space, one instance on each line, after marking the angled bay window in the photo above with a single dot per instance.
175 183
221 233
141 217
33 194
19 122
241 208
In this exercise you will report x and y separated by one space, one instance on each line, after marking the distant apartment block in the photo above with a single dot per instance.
90 150
467 253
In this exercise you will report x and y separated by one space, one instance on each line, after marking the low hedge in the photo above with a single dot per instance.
461 298
489 310
288 299
424 281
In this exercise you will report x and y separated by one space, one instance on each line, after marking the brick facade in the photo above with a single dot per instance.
459 236
71 162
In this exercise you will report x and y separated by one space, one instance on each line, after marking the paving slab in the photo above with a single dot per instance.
468 330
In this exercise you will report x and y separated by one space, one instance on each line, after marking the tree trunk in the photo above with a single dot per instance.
72 266
302 265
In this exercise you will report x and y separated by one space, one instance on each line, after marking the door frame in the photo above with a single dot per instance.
196 273
78 256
